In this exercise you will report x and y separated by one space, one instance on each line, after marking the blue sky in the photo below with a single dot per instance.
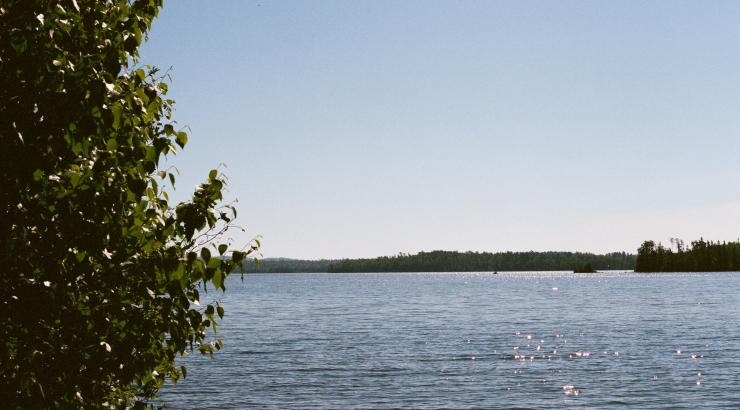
376 127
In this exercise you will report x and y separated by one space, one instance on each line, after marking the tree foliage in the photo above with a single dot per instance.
699 256
101 275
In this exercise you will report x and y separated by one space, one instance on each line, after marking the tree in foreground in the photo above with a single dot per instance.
101 277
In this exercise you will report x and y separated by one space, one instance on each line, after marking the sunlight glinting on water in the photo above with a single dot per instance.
473 340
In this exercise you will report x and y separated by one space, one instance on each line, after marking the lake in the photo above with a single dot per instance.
460 340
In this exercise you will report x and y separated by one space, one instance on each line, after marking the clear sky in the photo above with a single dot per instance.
366 128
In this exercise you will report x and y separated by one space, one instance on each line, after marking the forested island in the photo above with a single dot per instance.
449 261
699 256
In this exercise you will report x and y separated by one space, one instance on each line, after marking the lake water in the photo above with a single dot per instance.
459 340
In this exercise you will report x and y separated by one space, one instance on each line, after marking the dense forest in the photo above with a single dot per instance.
446 261
700 256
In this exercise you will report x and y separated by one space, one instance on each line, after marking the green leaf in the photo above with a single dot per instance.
212 175
218 279
74 179
181 139
220 311
116 109
178 273
214 263
205 254
222 249
237 256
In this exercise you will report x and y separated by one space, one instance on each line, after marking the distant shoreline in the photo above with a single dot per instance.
451 261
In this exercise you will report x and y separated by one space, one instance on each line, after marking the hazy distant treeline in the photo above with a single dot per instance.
446 261
700 256
284 265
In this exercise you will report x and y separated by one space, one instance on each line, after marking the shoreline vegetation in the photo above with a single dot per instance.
450 261
699 256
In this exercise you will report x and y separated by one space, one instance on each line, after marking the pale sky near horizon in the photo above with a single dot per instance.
366 128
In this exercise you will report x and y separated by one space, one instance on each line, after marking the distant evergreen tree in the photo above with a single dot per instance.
700 256
587 268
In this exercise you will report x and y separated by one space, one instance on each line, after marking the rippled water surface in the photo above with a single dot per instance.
533 340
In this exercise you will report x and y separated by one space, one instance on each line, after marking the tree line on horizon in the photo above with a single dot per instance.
286 265
451 261
699 256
